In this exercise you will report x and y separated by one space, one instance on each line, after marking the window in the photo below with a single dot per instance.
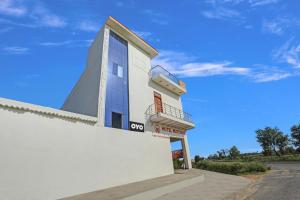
116 121
118 70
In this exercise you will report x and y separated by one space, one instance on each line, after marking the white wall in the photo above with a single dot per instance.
140 94
141 87
167 96
84 98
88 96
44 157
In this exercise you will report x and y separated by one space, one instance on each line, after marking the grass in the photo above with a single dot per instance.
235 168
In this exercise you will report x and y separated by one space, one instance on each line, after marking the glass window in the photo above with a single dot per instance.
115 69
116 120
117 83
118 70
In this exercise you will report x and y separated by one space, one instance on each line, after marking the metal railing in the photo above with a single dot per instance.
157 70
169 110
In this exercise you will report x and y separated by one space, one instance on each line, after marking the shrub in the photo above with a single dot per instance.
260 158
232 167
177 164
197 158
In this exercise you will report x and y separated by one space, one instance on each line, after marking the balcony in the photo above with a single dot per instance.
170 116
167 80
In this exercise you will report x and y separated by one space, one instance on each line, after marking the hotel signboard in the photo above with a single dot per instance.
164 131
136 126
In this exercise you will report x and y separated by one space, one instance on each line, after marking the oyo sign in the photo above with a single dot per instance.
135 126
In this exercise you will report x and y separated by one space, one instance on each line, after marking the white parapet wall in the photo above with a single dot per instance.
50 154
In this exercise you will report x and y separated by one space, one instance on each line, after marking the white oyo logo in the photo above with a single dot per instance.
137 126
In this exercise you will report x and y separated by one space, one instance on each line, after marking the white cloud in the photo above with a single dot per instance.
46 18
270 76
227 9
11 8
67 43
38 15
16 50
288 53
6 21
127 3
210 69
172 60
221 13
186 66
156 17
279 25
52 21
88 26
183 65
274 27
143 34
262 73
254 3
223 10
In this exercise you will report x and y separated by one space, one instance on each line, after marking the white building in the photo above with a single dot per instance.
116 126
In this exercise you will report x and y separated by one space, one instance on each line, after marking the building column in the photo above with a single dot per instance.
186 153
103 76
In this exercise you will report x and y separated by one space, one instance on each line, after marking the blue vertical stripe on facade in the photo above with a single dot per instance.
117 87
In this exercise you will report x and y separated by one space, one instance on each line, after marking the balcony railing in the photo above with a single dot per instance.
170 111
158 70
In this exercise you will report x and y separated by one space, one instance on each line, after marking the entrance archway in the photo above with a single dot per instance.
180 153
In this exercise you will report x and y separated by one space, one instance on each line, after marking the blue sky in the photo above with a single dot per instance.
239 58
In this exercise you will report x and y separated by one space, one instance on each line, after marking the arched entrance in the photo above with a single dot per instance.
180 153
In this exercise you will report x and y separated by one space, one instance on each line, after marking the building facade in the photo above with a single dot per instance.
115 127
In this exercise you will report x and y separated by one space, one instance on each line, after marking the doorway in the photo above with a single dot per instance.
177 154
158 103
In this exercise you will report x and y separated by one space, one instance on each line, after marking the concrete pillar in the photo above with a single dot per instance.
103 77
186 153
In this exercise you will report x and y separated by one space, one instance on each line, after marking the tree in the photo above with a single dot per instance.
197 158
282 143
295 133
222 154
272 140
213 157
264 139
234 153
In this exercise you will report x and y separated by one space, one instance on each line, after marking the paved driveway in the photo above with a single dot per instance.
216 186
281 184
191 185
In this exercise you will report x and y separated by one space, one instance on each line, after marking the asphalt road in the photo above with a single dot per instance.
281 184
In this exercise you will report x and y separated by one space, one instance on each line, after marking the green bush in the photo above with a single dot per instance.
261 158
232 167
177 164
